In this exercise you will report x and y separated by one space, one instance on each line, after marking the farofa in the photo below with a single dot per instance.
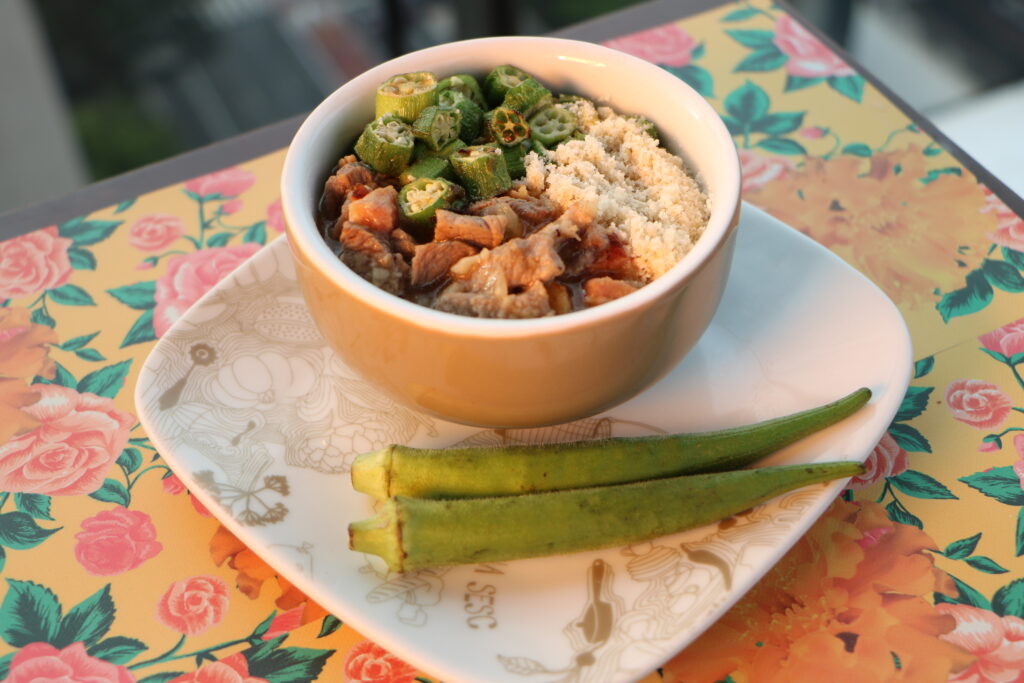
641 192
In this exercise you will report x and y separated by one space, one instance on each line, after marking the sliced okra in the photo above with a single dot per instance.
429 167
437 126
482 170
500 80
528 97
553 124
538 147
514 159
419 200
472 115
507 126
464 84
406 95
422 151
386 144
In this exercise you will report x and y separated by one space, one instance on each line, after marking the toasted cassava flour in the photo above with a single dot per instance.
641 192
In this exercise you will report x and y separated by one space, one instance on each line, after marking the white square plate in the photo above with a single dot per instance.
261 421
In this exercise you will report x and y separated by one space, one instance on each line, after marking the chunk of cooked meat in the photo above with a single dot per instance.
514 226
378 210
349 174
532 211
368 254
522 261
403 243
530 303
483 231
433 260
601 290
559 298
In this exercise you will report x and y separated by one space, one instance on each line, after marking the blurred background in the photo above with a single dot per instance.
93 89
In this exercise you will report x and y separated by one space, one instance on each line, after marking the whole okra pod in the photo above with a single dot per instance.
415 533
510 470
481 170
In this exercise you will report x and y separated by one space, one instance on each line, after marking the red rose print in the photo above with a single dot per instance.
1007 340
368 662
33 262
79 437
116 540
191 606
977 403
155 231
808 56
229 182
669 45
887 460
42 662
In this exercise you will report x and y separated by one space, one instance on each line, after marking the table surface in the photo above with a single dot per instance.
914 574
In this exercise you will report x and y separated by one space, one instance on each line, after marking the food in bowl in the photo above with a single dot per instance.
539 205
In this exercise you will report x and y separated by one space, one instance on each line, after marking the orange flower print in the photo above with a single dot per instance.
368 662
879 216
848 604
24 353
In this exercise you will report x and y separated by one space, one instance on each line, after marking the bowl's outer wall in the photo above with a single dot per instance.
520 381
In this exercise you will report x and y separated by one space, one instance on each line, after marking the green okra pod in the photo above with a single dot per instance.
527 97
437 126
481 170
464 84
386 144
511 470
515 159
419 200
472 115
429 167
406 95
553 124
416 533
421 151
500 80
506 126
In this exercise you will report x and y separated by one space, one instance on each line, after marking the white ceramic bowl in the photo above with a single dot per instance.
517 373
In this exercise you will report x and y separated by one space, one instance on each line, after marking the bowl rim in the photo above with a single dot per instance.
321 124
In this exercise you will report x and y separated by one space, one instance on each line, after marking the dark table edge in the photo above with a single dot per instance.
274 137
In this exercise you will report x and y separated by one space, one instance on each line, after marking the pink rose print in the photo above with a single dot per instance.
229 182
233 206
189 276
155 231
997 642
286 621
1010 227
42 662
1007 340
808 56
191 606
171 484
1018 467
757 170
887 460
114 541
33 262
977 403
275 217
232 669
813 132
368 662
79 437
669 45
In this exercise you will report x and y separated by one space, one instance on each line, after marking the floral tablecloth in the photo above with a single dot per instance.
115 573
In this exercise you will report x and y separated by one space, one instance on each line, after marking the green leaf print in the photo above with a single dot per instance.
162 677
781 146
20 532
257 233
1019 541
923 367
124 206
752 38
1001 483
909 439
986 564
130 460
1009 600
91 355
902 516
966 596
29 613
857 149
741 14
779 123
218 240
914 403
850 86
112 491
800 82
696 77
958 550
88 621
1013 257
106 381
920 485
937 173
747 104
84 232
41 317
34 504
285 664
976 295
141 331
71 295
329 625
140 296
117 649
763 59
81 259
76 343
1003 275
